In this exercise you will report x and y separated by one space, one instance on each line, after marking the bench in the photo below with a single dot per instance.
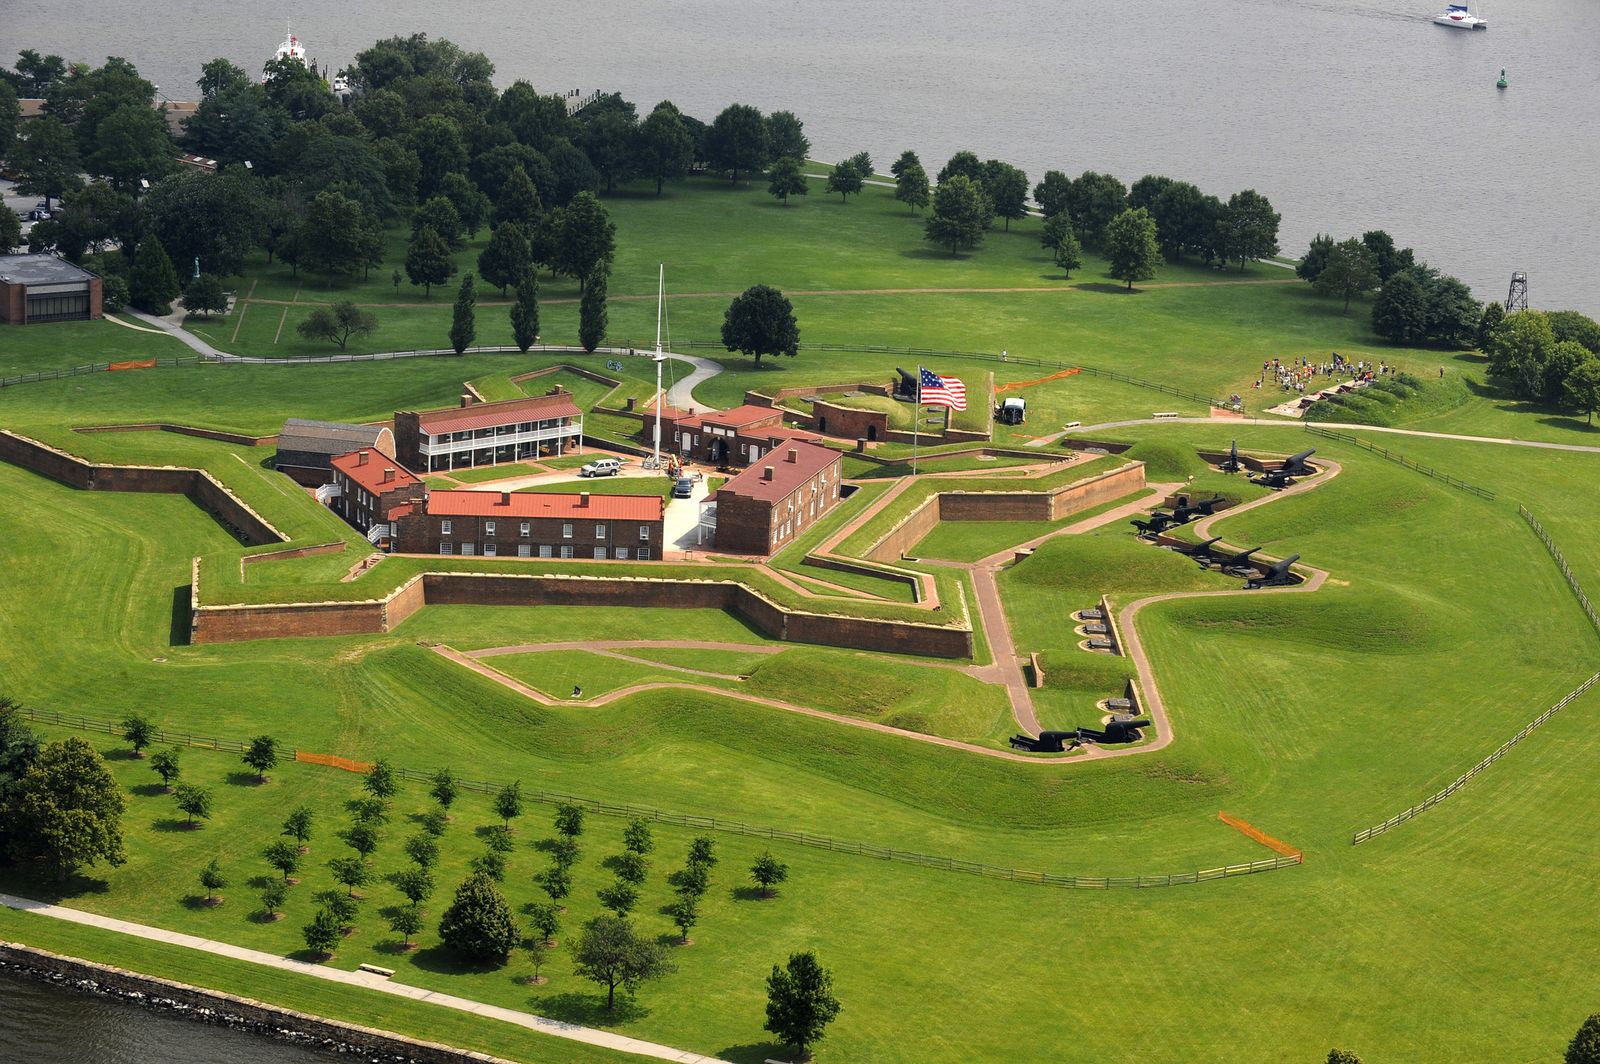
373 969
1164 415
1073 425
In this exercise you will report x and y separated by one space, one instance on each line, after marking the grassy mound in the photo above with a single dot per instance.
1167 460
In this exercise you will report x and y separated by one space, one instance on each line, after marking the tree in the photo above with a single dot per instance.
611 953
800 1001
152 282
1007 189
608 140
663 147
703 851
907 160
556 881
630 867
338 323
1579 328
204 295
759 322
786 136
1582 387
911 186
1585 1045
19 750
519 202
1561 361
525 311
960 214
333 235
1349 270
1400 311
323 932
137 731
508 803
478 922
506 258
569 820
130 144
297 825
471 205
1248 227
350 873
585 239
1315 258
10 230
440 215
344 908
284 856
844 180
685 913
380 781
361 837
620 897
692 880
1056 228
46 156
1093 200
1068 253
220 218
194 802
1493 314
592 314
962 164
212 879
65 809
165 764
422 850
218 76
365 809
788 179
738 141
768 872
437 142
1052 192
1389 261
273 894
405 923
444 788
1340 1056
415 883
1131 246
637 837
262 755
544 920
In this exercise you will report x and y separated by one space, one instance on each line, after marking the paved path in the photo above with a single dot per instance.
1346 426
556 1028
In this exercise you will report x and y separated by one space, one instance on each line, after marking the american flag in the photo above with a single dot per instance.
942 391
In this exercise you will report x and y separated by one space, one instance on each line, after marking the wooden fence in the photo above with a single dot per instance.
1561 563
1400 459
719 824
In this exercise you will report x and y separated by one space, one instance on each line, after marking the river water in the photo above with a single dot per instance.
1349 115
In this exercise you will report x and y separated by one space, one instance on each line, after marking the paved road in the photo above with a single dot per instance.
1342 425
556 1028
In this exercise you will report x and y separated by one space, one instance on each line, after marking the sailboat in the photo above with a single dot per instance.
1457 16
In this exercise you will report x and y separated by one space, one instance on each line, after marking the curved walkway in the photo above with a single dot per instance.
557 1028
1347 425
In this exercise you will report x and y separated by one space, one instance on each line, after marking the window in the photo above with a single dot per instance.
445 548
566 551
547 551
66 306
527 528
467 548
644 533
566 533
444 528
524 550
488 528
622 554
599 554
644 554
490 550
599 531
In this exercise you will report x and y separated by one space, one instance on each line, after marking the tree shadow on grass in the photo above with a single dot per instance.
447 961
148 790
752 894
1114 289
36 883
172 823
939 254
260 882
244 779
310 956
590 1010
395 947
197 903
1569 423
754 1053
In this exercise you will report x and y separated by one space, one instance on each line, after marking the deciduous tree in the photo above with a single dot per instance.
569 820
478 922
738 141
164 763
787 179
284 856
585 239
428 260
212 879
297 825
768 872
205 295
350 873
1092 201
960 216
544 920
685 913
637 836
962 164
1315 259
444 788
262 754
323 932
663 147
611 953
415 883
1068 254
620 897
845 179
194 802
273 894
760 321
1131 248
1007 189
65 809
1400 310
800 1002
1349 270
46 157
405 923
138 732
361 837
911 186
1585 1045
506 258
1248 228
338 323
786 136
519 202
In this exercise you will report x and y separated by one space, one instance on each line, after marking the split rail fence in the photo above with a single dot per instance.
718 824
1400 459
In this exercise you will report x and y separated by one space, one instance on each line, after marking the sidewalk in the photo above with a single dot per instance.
604 1039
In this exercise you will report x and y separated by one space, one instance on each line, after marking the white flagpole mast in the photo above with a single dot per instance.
916 421
661 295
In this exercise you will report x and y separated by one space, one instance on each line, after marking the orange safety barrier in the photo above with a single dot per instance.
1276 845
333 762
1019 385
141 363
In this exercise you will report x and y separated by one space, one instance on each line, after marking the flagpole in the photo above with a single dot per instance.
916 421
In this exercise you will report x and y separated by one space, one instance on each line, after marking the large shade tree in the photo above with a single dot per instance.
760 321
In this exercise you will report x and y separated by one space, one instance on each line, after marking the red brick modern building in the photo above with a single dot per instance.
768 505
480 434
42 288
726 439
369 489
534 525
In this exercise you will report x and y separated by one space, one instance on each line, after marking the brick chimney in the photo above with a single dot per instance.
583 498
388 474
505 498
361 457
467 400
766 472
792 456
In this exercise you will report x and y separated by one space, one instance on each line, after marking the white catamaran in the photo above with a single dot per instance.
1458 17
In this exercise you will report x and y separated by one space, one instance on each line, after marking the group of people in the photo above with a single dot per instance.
1292 375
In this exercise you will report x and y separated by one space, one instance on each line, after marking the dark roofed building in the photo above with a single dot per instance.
768 505
306 448
41 288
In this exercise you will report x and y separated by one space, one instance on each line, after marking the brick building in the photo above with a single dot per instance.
768 505
479 434
369 489
726 439
41 288
534 525
306 449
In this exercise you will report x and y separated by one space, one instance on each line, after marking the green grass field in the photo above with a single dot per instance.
1444 627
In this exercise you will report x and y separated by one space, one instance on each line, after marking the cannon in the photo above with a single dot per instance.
1277 575
1239 564
1158 522
1200 550
907 386
1121 728
1207 507
1276 479
1295 465
1231 464
1048 742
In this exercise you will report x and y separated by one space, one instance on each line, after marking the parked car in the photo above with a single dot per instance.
38 214
601 467
683 489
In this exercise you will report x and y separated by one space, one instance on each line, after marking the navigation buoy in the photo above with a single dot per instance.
1502 82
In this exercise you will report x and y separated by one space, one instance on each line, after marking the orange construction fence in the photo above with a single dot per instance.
1019 385
333 762
139 363
1277 845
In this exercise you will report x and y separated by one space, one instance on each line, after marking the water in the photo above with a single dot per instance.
41 1023
1349 115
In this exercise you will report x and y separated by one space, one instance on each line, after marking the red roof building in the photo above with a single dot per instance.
479 434
368 488
534 525
727 439
768 505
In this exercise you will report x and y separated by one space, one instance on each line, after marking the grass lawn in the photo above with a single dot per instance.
558 672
